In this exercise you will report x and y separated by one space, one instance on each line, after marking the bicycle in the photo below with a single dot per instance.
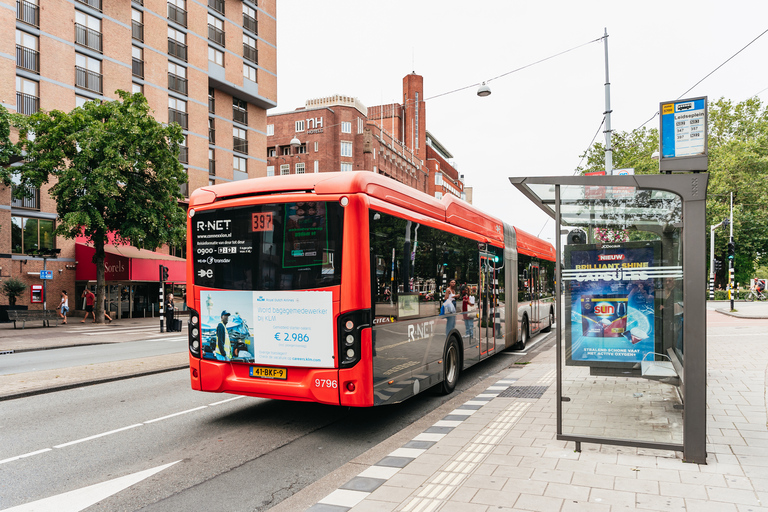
756 295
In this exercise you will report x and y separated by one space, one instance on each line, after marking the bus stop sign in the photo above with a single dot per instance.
683 130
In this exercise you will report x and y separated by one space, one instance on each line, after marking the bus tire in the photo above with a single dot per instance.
524 333
551 321
451 366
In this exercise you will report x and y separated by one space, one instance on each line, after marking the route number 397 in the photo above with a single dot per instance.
326 383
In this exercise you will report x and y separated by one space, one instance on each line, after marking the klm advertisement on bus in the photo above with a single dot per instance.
610 302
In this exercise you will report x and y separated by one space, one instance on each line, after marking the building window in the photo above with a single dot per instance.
240 111
212 162
28 12
346 127
315 146
271 152
216 5
80 101
360 125
177 43
249 73
300 126
239 169
301 149
211 100
137 25
177 112
27 56
184 151
88 73
270 129
270 170
249 49
240 141
438 195
88 31
177 11
346 148
137 88
285 150
300 168
216 30
27 100
177 78
211 131
29 235
317 166
346 167
439 178
137 61
285 169
249 19
215 56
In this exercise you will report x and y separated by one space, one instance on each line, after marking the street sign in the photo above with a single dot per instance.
46 274
683 129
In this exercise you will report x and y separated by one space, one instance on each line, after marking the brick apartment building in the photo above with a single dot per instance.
211 67
338 133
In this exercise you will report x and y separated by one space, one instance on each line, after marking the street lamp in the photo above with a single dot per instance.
483 90
295 142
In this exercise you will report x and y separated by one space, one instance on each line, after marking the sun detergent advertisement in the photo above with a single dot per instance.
610 302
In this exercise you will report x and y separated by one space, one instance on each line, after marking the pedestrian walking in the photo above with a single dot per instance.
90 298
64 306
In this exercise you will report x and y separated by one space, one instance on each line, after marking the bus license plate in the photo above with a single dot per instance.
262 372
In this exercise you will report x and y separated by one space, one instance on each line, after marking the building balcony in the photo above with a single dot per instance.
27 58
137 30
177 116
27 12
177 83
88 37
137 68
216 35
177 49
211 136
250 24
250 53
96 4
88 79
30 200
211 105
216 5
178 15
240 116
240 145
184 154
27 104
212 167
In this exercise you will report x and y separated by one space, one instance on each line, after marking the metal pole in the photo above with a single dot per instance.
712 262
559 314
608 149
731 261
45 281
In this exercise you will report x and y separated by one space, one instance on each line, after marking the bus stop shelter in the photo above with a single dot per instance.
631 308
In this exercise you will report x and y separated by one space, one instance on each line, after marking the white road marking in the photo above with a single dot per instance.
97 436
80 499
227 400
176 414
25 455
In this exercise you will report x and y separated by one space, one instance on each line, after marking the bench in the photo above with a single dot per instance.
46 315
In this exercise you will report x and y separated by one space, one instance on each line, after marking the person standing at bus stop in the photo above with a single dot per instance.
223 346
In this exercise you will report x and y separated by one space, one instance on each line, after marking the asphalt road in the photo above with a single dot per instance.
230 453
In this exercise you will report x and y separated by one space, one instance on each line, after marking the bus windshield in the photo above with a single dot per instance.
275 246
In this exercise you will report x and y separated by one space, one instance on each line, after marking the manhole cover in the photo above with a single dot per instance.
524 391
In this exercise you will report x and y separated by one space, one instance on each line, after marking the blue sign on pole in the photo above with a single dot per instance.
46 274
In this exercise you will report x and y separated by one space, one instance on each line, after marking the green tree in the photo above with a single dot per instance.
8 150
116 174
630 150
13 288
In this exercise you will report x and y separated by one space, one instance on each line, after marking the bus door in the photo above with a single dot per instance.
487 304
534 285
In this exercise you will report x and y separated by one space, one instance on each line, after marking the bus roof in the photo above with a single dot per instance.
534 246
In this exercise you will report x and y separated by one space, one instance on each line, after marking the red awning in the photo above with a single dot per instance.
127 263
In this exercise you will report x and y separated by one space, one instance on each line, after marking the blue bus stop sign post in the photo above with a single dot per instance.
46 274
683 133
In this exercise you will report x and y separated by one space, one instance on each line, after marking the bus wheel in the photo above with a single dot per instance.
523 335
551 321
451 366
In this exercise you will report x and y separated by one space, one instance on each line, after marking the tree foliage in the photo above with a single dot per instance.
738 163
8 150
115 173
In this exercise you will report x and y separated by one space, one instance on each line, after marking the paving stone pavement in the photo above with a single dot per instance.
498 451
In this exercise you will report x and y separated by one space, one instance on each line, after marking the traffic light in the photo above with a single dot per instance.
731 250
726 222
718 265
163 273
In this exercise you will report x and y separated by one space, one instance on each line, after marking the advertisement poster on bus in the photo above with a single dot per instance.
276 328
610 302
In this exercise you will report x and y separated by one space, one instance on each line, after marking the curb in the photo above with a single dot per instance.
741 315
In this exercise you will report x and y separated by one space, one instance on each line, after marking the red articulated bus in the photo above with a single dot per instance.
337 288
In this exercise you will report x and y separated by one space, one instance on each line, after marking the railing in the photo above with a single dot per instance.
27 58
240 145
216 5
211 105
184 154
27 12
250 24
211 136
240 116
250 53
30 199
177 83
177 49
140 2
96 4
88 37
212 167
137 30
216 35
88 79
178 15
27 104
137 67
177 116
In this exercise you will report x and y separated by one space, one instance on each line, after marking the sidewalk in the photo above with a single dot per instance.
498 452
743 308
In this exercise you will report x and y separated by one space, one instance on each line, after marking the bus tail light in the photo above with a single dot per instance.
193 328
349 328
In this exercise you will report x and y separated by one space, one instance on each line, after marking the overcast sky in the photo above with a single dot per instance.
537 121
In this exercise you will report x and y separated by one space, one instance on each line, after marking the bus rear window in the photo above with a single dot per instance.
278 246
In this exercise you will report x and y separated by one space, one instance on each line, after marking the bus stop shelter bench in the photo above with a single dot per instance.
46 315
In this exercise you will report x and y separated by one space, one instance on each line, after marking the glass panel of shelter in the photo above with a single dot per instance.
622 350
